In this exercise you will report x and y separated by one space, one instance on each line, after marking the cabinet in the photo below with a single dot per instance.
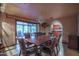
73 42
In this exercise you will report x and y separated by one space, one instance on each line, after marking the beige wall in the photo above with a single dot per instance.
78 23
0 31
0 25
70 26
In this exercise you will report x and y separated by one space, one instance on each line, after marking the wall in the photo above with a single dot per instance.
78 24
0 28
70 26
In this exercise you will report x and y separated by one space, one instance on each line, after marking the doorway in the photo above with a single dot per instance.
57 29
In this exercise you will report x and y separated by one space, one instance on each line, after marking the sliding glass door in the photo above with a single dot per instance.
24 27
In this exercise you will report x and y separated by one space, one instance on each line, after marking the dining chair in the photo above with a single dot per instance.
39 33
38 51
46 47
27 35
52 46
25 50
27 43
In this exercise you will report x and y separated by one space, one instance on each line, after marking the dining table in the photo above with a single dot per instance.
38 41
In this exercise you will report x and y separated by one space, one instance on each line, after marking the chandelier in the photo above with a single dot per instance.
42 21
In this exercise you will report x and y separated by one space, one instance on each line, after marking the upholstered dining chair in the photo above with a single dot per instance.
52 46
46 47
27 35
25 50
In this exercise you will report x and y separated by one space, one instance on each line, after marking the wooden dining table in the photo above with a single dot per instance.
38 40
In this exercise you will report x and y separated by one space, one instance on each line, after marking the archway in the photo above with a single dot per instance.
57 29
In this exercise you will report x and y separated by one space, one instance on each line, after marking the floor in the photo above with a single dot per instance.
64 51
71 52
14 51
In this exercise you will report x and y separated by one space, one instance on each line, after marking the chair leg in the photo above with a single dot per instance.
50 52
20 53
55 51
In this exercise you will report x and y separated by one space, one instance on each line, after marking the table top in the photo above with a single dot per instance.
38 40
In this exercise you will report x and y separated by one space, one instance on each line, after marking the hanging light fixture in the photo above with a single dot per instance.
40 19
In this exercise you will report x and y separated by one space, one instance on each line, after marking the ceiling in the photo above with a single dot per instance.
45 10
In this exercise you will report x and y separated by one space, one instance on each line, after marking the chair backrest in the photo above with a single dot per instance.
21 42
40 33
22 46
27 35
49 42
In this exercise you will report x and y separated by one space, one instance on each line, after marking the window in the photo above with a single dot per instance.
19 30
24 27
